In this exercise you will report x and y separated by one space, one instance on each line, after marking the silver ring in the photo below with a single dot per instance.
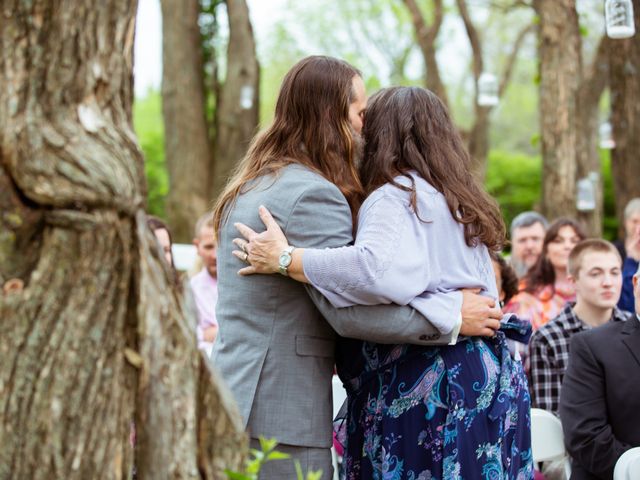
246 257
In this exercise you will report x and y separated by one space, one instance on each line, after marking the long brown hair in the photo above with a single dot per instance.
542 273
409 128
310 127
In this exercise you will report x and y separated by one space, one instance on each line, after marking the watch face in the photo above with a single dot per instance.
285 259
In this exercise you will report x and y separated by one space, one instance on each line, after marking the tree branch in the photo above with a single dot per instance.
474 38
511 61
508 6
426 36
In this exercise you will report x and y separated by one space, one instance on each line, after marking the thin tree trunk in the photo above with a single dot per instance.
591 88
237 106
187 144
426 38
625 118
93 336
560 69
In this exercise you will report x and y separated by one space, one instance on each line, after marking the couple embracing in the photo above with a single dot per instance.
376 231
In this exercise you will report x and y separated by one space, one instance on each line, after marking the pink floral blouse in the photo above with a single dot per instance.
544 305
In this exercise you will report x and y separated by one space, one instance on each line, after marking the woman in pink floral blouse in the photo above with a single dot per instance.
545 289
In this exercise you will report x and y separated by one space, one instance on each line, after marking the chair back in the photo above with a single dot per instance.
547 439
628 465
339 395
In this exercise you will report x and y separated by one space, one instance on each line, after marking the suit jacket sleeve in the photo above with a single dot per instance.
321 218
583 411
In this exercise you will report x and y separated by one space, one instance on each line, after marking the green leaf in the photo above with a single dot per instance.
276 455
267 444
314 475
237 476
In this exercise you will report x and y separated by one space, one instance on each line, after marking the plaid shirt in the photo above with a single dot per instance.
549 355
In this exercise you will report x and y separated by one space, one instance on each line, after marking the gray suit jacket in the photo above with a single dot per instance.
276 340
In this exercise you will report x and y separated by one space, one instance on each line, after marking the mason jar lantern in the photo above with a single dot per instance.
487 90
619 18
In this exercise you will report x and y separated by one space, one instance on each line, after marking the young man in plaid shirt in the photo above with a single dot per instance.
596 268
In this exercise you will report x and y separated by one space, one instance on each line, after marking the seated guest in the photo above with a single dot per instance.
527 235
506 279
595 270
545 289
205 283
629 249
163 235
600 397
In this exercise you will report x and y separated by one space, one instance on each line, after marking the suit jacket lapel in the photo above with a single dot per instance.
631 337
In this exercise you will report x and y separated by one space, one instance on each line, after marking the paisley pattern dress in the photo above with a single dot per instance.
416 412
440 413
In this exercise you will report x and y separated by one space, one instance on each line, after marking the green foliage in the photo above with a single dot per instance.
149 127
609 221
514 180
269 453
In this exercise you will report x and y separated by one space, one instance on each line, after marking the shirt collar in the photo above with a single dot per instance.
617 315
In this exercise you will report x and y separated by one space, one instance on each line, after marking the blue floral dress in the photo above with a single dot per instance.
440 413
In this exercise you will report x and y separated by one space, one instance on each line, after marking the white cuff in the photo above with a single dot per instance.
456 330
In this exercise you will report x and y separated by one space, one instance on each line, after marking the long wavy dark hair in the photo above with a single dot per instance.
542 273
310 127
409 128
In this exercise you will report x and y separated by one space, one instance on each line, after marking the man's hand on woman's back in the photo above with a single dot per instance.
480 315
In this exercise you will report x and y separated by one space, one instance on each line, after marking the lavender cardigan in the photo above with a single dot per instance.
400 258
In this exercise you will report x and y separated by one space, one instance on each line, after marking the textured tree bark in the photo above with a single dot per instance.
187 144
426 38
592 85
625 118
237 107
560 70
95 336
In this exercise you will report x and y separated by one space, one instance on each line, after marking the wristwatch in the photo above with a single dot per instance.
285 260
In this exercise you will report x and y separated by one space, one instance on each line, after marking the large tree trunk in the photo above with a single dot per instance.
237 106
592 85
92 336
560 70
187 144
625 118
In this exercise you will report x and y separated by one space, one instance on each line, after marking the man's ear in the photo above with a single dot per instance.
635 281
196 242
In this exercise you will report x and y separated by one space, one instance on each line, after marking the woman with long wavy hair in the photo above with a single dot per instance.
426 228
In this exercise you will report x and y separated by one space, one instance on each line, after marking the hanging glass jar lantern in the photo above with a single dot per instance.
605 132
487 90
246 97
619 18
586 195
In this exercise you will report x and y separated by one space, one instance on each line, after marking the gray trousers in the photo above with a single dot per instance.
309 458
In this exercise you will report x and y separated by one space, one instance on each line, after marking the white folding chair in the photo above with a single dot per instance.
547 439
628 465
339 396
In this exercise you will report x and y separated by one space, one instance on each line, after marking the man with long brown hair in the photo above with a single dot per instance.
276 341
